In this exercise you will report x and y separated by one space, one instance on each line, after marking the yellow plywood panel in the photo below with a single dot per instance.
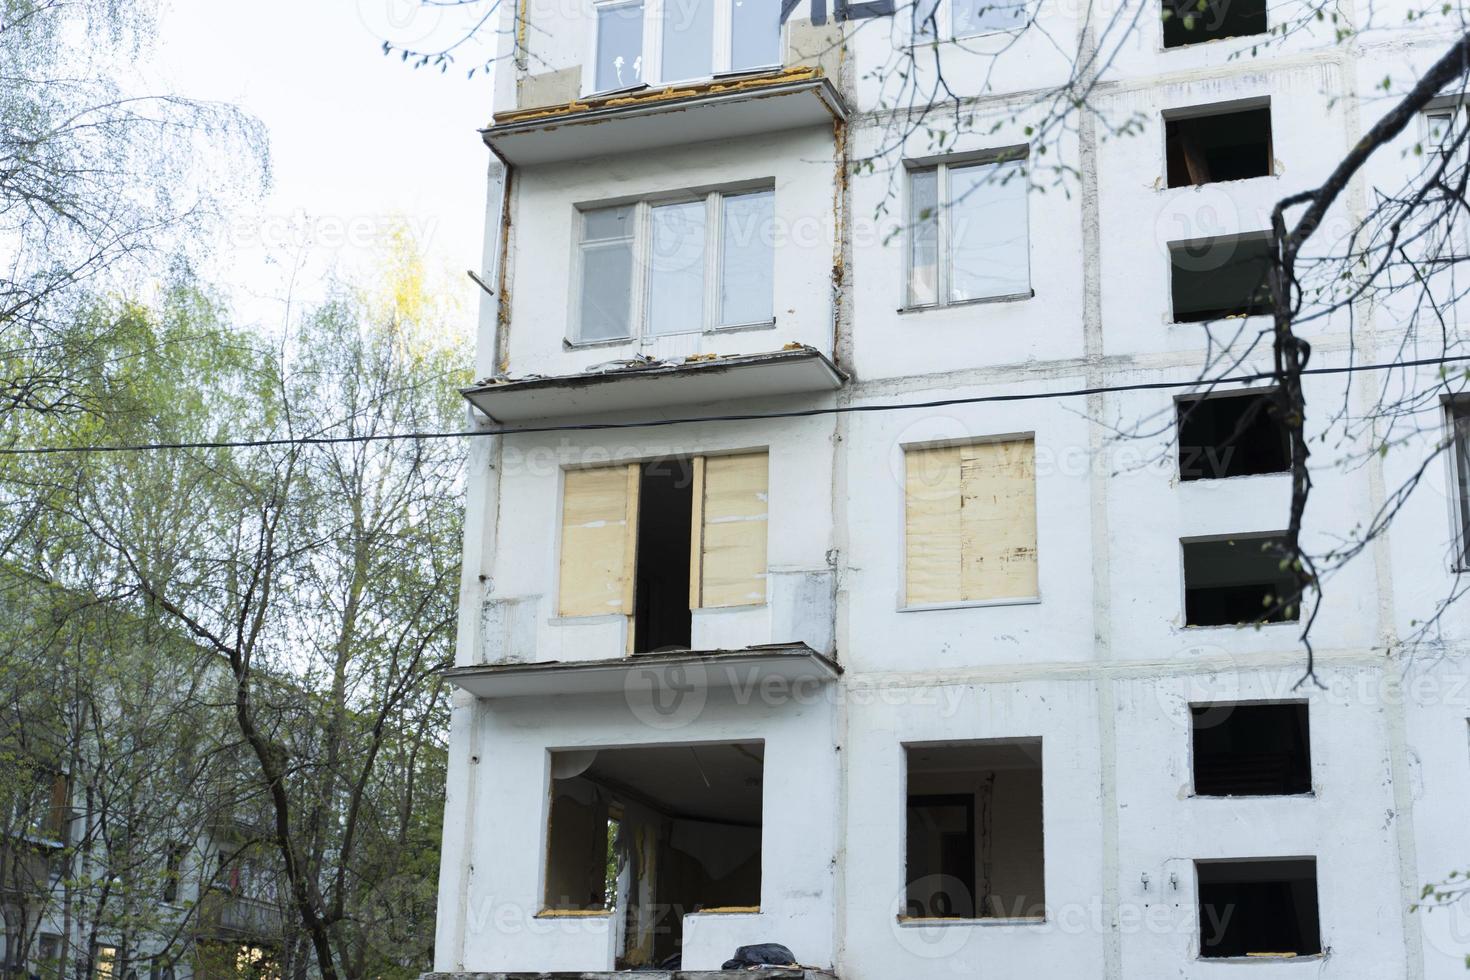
998 520
736 515
932 525
594 541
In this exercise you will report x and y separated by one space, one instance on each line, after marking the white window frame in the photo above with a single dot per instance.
714 245
722 40
944 24
942 168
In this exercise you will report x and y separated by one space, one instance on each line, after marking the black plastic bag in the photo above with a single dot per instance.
762 954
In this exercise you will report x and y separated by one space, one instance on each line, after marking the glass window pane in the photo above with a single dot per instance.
748 259
607 291
755 33
689 39
923 237
988 240
926 19
987 16
676 269
619 46
605 223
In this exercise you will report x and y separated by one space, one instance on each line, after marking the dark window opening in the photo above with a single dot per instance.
1231 435
1258 908
662 619
1460 421
1236 582
651 834
1218 146
1251 749
974 845
1218 277
1193 21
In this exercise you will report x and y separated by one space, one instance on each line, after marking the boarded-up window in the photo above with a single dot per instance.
970 524
599 517
730 519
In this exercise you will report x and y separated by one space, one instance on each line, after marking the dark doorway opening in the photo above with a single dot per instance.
662 619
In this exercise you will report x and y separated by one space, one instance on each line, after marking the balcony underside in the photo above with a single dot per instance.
658 385
726 108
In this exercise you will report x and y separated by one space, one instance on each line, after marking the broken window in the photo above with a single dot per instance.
1236 581
1214 278
653 541
974 847
1205 147
677 289
1251 749
970 523
1231 435
654 833
968 234
619 45
1192 21
1258 908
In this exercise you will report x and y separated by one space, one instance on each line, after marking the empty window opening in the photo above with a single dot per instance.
1231 435
1258 908
1214 278
1193 21
974 846
651 834
1203 149
1251 749
1459 413
1237 581
661 618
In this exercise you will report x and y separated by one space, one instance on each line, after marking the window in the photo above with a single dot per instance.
173 867
619 57
1258 909
707 263
1236 581
654 541
1251 749
1459 413
1190 22
970 523
1204 147
690 40
968 235
1231 435
104 962
934 19
973 840
654 833
1445 127
1213 278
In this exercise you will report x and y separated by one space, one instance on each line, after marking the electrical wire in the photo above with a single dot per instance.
696 419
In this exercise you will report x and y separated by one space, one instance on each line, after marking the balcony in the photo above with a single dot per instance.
642 385
725 108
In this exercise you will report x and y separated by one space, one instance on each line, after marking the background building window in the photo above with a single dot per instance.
934 19
968 232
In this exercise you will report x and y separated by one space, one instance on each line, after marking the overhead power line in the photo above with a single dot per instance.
741 417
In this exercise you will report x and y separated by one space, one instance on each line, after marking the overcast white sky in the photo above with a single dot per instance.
357 138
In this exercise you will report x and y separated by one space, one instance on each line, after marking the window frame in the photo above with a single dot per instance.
942 168
642 248
722 46
944 25
1457 421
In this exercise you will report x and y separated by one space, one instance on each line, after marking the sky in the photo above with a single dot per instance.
358 139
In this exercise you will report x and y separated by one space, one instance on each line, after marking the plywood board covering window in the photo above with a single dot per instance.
970 523
599 508
732 516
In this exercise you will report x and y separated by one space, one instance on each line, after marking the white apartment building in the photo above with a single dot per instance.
865 576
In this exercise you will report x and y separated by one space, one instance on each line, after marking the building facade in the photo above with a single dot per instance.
856 565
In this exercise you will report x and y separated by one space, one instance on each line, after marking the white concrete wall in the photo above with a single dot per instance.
1101 668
